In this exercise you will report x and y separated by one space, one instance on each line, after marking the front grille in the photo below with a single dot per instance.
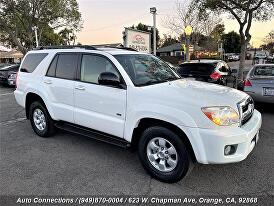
246 110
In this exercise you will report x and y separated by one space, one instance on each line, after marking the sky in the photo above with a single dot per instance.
104 20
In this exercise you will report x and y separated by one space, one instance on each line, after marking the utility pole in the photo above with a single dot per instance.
36 36
153 11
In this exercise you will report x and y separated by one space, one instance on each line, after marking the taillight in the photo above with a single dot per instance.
215 76
16 82
247 83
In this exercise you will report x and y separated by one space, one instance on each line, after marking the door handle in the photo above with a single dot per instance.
47 81
80 87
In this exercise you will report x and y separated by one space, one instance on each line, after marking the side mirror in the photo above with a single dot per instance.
109 78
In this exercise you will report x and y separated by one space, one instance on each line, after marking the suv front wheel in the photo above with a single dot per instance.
41 122
163 154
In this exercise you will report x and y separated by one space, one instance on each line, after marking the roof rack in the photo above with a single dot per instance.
128 48
66 47
113 47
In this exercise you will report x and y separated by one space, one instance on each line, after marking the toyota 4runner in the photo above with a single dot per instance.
133 99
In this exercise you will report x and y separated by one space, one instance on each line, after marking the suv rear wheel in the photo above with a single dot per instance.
41 122
163 154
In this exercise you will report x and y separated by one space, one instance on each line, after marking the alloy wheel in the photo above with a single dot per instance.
162 154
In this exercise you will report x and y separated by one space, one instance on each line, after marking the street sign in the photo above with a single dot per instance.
138 40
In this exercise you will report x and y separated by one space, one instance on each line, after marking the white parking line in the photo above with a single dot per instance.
6 94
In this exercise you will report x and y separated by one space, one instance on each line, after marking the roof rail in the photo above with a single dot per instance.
128 48
66 47
113 47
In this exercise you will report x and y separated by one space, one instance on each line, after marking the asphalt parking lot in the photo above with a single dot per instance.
67 164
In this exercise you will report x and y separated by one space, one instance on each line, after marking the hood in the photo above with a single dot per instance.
195 93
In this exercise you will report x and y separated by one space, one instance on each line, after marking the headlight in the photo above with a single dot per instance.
222 116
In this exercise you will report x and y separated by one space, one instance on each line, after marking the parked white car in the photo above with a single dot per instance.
260 56
132 99
236 57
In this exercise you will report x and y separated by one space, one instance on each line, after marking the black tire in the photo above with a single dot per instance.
49 128
183 162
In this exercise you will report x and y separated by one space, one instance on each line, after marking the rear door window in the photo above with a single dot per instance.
31 61
67 66
195 69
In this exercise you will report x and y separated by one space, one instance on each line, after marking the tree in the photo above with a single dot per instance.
269 42
217 32
68 36
231 42
146 28
168 40
187 14
49 37
244 11
18 17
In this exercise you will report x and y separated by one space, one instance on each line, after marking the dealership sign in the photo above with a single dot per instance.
137 40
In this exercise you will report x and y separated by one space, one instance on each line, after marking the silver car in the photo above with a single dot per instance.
259 83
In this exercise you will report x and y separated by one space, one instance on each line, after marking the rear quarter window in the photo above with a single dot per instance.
31 61
52 67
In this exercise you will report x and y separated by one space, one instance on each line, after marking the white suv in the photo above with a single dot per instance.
133 99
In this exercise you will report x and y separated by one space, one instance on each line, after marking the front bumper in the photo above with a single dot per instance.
212 142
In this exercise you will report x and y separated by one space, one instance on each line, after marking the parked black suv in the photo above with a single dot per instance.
8 74
213 71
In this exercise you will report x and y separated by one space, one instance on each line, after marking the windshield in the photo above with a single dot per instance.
146 69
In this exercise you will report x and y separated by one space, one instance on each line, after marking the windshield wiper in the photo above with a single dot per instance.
151 82
171 79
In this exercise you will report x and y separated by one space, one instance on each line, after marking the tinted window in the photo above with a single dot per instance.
195 69
264 71
14 68
32 61
52 67
93 65
66 66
